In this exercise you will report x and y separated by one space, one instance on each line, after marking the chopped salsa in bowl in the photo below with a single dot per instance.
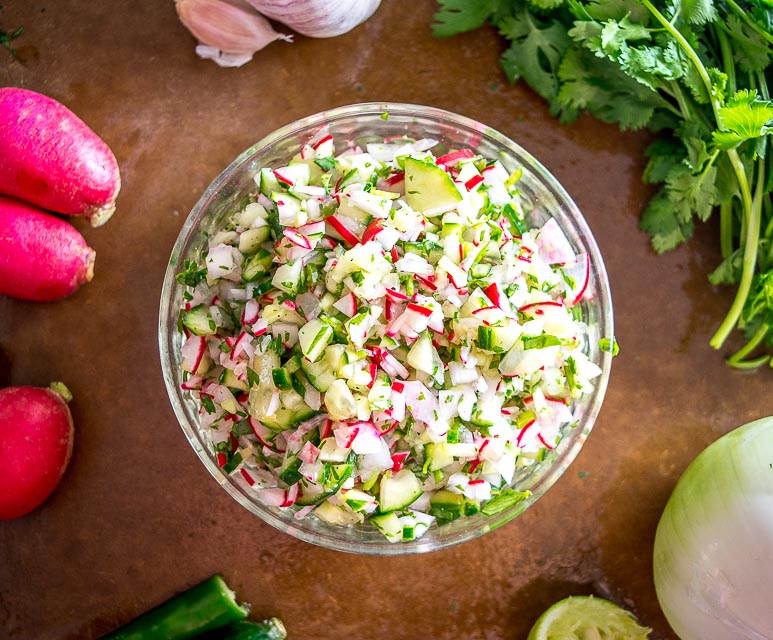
387 334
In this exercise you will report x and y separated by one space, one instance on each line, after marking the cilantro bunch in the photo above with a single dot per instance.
697 71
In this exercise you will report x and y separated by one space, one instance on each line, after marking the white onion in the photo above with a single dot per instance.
713 557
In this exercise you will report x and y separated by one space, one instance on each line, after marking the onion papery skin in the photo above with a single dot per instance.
713 554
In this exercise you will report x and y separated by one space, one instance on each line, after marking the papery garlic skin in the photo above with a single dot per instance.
318 18
228 34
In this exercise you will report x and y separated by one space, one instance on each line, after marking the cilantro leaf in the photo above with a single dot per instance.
603 10
729 270
761 12
191 274
535 52
546 5
745 117
326 164
726 182
692 193
759 304
751 52
458 16
694 135
660 221
697 11
664 154
599 86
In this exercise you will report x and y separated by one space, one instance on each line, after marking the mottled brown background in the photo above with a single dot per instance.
137 518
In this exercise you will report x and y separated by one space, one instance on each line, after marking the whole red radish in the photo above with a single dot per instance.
36 437
42 257
51 158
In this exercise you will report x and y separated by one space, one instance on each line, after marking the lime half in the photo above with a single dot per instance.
587 618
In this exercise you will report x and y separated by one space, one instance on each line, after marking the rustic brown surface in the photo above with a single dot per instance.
137 518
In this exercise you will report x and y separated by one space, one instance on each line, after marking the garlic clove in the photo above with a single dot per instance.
221 58
318 18
224 27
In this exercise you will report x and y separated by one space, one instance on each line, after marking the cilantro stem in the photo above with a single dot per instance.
726 228
6 38
684 109
753 220
737 358
763 85
749 364
745 17
727 59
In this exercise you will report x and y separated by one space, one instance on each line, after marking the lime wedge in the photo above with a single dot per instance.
587 618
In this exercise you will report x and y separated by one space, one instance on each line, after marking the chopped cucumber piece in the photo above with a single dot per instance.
389 524
281 379
313 337
398 491
428 188
287 276
340 401
199 322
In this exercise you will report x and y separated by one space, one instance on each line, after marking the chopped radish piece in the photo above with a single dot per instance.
296 238
283 178
347 236
251 312
398 459
579 272
473 182
397 296
323 140
423 311
554 248
347 305
193 353
455 156
372 230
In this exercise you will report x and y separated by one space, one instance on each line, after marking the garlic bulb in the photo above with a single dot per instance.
318 18
228 34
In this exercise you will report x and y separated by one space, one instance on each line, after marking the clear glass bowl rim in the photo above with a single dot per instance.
331 536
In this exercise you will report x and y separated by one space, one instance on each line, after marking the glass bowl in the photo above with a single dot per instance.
362 123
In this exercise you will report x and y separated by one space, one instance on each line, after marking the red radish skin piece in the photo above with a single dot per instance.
424 282
36 439
473 182
42 258
423 311
455 156
322 141
283 179
347 236
398 459
372 230
52 159
397 178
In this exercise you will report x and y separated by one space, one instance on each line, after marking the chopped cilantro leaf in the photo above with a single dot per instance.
503 501
326 164
191 274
